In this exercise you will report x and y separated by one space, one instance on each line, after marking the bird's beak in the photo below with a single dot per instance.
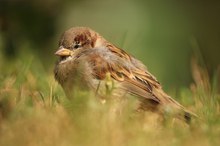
63 52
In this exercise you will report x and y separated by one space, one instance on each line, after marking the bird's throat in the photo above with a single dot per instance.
64 59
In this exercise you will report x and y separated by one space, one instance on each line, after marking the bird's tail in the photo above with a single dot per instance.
170 106
188 115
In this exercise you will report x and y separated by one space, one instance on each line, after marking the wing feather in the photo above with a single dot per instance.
124 69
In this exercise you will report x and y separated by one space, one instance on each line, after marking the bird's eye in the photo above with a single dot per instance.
77 46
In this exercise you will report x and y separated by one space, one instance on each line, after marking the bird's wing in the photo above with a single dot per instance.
131 73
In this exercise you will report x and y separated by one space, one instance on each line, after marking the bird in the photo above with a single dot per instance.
87 61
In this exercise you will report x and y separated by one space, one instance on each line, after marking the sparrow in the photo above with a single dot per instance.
87 61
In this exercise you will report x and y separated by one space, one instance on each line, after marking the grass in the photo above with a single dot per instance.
34 111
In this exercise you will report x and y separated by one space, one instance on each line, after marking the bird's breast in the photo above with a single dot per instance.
73 74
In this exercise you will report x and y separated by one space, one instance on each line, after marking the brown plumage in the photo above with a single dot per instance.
86 58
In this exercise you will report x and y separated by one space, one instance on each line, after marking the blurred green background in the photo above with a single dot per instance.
165 35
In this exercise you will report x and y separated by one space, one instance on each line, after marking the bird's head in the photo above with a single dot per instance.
75 40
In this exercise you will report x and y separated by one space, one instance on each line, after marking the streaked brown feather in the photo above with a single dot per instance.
138 76
135 81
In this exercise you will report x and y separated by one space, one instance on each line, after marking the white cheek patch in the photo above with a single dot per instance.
66 59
